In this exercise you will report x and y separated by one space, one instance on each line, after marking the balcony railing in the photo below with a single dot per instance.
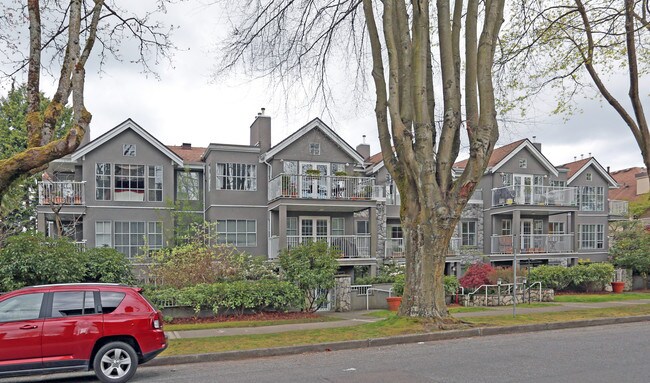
535 195
393 198
323 187
395 247
533 244
350 246
618 208
61 193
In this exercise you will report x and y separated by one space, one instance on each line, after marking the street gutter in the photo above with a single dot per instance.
388 341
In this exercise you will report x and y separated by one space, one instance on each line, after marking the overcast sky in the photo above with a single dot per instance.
185 105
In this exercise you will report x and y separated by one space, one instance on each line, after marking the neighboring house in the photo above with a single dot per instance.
633 186
127 190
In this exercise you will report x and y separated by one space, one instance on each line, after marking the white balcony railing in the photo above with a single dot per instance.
535 195
350 246
618 208
533 244
395 247
61 193
393 196
323 187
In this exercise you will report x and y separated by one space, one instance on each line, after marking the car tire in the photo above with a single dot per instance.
115 362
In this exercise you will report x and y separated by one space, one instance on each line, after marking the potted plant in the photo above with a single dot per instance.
313 173
618 287
398 289
288 187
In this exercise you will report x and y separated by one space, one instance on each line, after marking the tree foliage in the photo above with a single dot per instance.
107 265
581 47
61 38
477 274
631 248
418 93
311 266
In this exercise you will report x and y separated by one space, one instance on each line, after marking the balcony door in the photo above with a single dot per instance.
523 184
314 186
526 235
314 228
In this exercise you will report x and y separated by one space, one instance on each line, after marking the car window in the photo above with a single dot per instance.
21 307
110 300
67 303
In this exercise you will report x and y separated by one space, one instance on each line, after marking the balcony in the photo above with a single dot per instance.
323 187
533 244
350 246
393 197
395 247
61 193
534 195
618 208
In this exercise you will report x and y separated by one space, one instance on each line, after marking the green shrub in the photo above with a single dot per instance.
451 284
236 297
108 265
30 258
553 277
398 285
582 277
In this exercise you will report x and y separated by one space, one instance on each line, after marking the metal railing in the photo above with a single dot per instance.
394 247
533 243
350 246
535 195
505 289
61 193
618 208
393 198
323 187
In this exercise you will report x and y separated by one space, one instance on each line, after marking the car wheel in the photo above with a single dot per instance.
115 362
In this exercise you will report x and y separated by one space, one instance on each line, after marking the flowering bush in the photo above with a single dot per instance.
477 274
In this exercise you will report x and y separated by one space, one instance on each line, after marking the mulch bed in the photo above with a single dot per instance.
262 316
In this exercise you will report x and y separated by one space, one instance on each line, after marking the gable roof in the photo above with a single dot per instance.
316 123
127 124
188 154
626 179
577 167
504 153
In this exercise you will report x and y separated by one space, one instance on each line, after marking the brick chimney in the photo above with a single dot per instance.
261 131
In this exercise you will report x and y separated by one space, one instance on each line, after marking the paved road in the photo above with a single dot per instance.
594 354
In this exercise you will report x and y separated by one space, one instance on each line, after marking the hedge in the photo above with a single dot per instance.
237 297
585 277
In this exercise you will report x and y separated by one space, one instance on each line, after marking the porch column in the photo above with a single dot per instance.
282 229
493 232
516 231
573 224
372 221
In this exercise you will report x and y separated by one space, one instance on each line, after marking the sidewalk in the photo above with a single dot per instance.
355 318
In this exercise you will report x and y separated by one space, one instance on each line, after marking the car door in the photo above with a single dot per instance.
21 325
71 327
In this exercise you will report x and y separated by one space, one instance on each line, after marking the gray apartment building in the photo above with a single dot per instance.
125 189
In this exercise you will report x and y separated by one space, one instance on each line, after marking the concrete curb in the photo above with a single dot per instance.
378 342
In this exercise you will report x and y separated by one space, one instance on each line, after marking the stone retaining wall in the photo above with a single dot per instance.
548 295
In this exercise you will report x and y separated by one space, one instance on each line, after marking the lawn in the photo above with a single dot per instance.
245 323
607 297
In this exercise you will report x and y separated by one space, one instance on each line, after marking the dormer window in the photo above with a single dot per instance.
314 148
128 150
523 163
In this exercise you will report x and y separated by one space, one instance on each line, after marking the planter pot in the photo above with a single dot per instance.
617 287
393 303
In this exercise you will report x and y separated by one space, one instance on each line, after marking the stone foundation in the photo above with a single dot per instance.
548 295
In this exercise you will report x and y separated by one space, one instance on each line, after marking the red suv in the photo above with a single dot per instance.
54 328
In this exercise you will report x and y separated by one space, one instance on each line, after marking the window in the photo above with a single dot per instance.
589 177
103 234
591 198
538 226
129 238
338 226
290 167
557 183
506 178
538 180
506 227
396 232
103 182
523 163
129 182
556 227
238 232
187 186
292 225
128 150
314 148
110 300
155 235
468 233
232 176
155 183
363 228
21 307
338 168
69 303
591 236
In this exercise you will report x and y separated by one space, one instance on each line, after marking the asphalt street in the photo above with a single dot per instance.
592 354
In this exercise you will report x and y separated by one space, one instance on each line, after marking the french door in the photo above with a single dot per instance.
523 188
314 186
314 228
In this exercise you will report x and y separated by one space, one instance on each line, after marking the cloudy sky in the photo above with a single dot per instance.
186 105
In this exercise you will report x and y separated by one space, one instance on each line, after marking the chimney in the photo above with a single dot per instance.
261 131
186 146
608 170
538 145
364 149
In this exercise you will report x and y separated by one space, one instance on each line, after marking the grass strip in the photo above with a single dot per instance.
391 326
250 323
585 298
